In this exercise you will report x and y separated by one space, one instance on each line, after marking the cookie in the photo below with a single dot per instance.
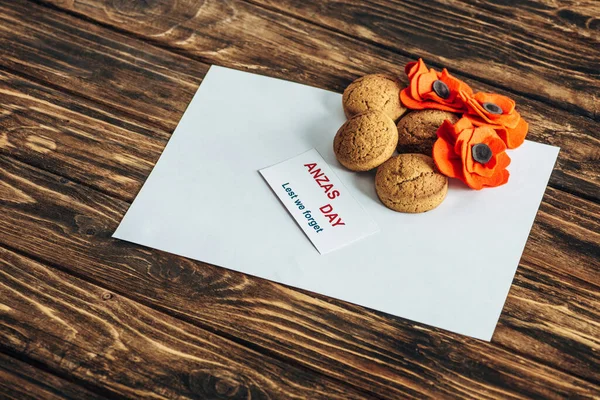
374 93
365 141
410 183
417 130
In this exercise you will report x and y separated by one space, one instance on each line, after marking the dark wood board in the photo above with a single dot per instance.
90 91
155 91
102 339
20 380
384 355
544 50
71 156
537 48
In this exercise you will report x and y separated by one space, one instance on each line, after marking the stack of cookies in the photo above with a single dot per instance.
379 125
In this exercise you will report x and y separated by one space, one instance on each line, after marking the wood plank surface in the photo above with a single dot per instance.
546 50
518 47
567 224
114 153
76 138
22 381
61 51
93 100
132 351
110 141
71 225
40 36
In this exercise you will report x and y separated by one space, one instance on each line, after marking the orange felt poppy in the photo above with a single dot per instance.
498 112
475 155
431 89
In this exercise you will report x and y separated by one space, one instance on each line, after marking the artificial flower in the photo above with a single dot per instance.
474 154
498 112
431 89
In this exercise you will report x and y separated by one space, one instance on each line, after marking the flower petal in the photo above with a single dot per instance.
503 161
415 67
452 82
497 179
471 166
463 137
463 147
447 131
462 124
474 181
425 83
410 68
506 120
501 132
438 106
516 136
420 89
477 109
409 102
505 103
494 141
414 88
446 160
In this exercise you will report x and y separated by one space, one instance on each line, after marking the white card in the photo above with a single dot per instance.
451 267
319 202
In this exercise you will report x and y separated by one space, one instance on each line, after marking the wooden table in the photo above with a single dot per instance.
90 91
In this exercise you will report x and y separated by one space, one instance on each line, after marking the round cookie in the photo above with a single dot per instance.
375 92
410 183
365 141
417 130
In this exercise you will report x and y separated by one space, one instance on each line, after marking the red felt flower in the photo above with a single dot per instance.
431 89
475 155
498 112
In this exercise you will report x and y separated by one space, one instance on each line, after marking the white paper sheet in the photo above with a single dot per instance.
451 267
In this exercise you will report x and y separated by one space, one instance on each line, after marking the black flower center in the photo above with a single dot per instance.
481 153
492 108
441 89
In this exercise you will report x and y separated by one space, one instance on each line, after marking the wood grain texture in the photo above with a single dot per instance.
106 340
546 50
108 141
55 137
70 225
39 37
68 135
61 133
22 381
115 162
519 47
95 104
114 71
